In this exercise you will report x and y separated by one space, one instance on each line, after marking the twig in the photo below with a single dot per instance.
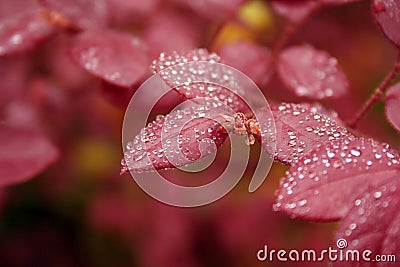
378 93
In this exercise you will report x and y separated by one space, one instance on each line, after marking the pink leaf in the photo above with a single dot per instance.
294 11
324 184
312 73
177 139
387 14
373 222
299 131
393 106
170 31
83 13
254 64
23 31
201 77
23 154
118 58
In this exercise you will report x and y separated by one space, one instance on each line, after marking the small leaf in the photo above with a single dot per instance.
118 58
393 106
23 154
312 73
387 15
300 130
254 64
373 222
83 13
324 184
195 74
177 139
23 31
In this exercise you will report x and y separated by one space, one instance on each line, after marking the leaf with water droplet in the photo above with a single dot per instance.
331 177
387 15
299 131
197 74
23 154
116 57
23 31
177 139
312 73
393 106
373 222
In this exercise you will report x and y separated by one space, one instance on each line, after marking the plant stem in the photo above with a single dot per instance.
378 93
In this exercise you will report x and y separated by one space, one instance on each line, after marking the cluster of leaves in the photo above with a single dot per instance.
335 173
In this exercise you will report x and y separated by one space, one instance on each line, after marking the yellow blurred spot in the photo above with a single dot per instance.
232 32
94 157
256 15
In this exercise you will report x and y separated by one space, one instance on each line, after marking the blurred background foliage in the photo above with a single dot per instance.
81 212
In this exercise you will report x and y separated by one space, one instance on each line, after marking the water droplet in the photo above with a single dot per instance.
377 194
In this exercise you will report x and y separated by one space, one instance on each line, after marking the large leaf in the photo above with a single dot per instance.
373 223
300 130
324 184
177 139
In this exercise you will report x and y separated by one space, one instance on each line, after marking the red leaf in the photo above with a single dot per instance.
294 11
118 58
23 154
393 106
324 184
373 222
83 13
182 136
299 131
170 31
201 77
254 64
312 73
387 15
23 31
